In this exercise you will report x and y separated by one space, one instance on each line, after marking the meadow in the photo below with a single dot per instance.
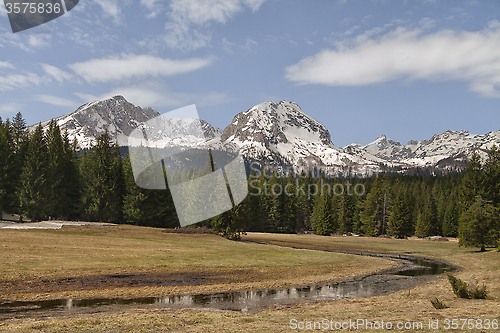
208 263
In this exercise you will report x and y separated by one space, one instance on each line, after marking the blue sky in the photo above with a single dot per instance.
407 69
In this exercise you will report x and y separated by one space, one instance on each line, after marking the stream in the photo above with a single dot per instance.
412 272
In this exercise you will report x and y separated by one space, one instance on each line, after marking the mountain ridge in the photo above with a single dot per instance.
279 134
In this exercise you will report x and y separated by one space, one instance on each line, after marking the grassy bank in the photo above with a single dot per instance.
83 262
406 306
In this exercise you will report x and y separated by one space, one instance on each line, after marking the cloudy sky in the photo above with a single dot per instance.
407 69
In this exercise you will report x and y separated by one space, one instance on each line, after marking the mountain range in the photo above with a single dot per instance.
279 135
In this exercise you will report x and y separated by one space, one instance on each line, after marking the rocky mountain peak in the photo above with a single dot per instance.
119 117
273 123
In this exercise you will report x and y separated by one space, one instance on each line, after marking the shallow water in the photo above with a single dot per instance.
402 278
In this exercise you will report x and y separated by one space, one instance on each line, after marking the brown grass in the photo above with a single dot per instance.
35 264
404 306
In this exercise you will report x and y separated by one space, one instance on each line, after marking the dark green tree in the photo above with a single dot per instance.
472 183
375 208
321 218
102 171
34 178
451 217
491 178
399 223
8 167
62 172
479 225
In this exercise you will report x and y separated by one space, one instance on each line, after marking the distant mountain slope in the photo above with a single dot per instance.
281 134
274 134
448 146
118 117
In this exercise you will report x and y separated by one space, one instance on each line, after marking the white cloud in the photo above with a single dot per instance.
86 98
58 101
150 4
56 73
254 4
147 96
402 53
110 8
155 6
13 81
6 64
39 40
130 65
11 107
156 95
189 19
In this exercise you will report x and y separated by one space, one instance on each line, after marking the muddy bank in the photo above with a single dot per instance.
408 260
99 282
412 271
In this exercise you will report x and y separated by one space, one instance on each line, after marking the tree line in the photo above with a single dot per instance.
43 175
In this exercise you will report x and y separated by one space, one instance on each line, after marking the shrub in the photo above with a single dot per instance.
459 287
464 290
437 304
476 291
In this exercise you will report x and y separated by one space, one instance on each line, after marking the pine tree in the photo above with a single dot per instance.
427 218
491 178
34 182
290 223
59 160
104 187
399 223
479 225
321 216
451 218
347 211
8 172
303 203
472 183
374 213
19 132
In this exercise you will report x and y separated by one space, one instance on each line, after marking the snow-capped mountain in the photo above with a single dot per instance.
279 135
120 118
442 148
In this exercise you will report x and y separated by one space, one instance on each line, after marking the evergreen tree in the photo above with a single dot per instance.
62 174
479 225
304 209
491 178
8 172
34 183
399 224
374 213
321 216
104 188
289 205
427 218
347 213
19 132
451 218
472 183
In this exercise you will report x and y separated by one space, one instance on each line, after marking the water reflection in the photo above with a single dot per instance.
366 286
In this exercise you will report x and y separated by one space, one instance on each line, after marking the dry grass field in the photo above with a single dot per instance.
97 251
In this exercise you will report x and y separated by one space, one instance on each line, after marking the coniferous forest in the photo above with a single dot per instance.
43 175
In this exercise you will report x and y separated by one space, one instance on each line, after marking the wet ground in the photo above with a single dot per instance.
413 271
